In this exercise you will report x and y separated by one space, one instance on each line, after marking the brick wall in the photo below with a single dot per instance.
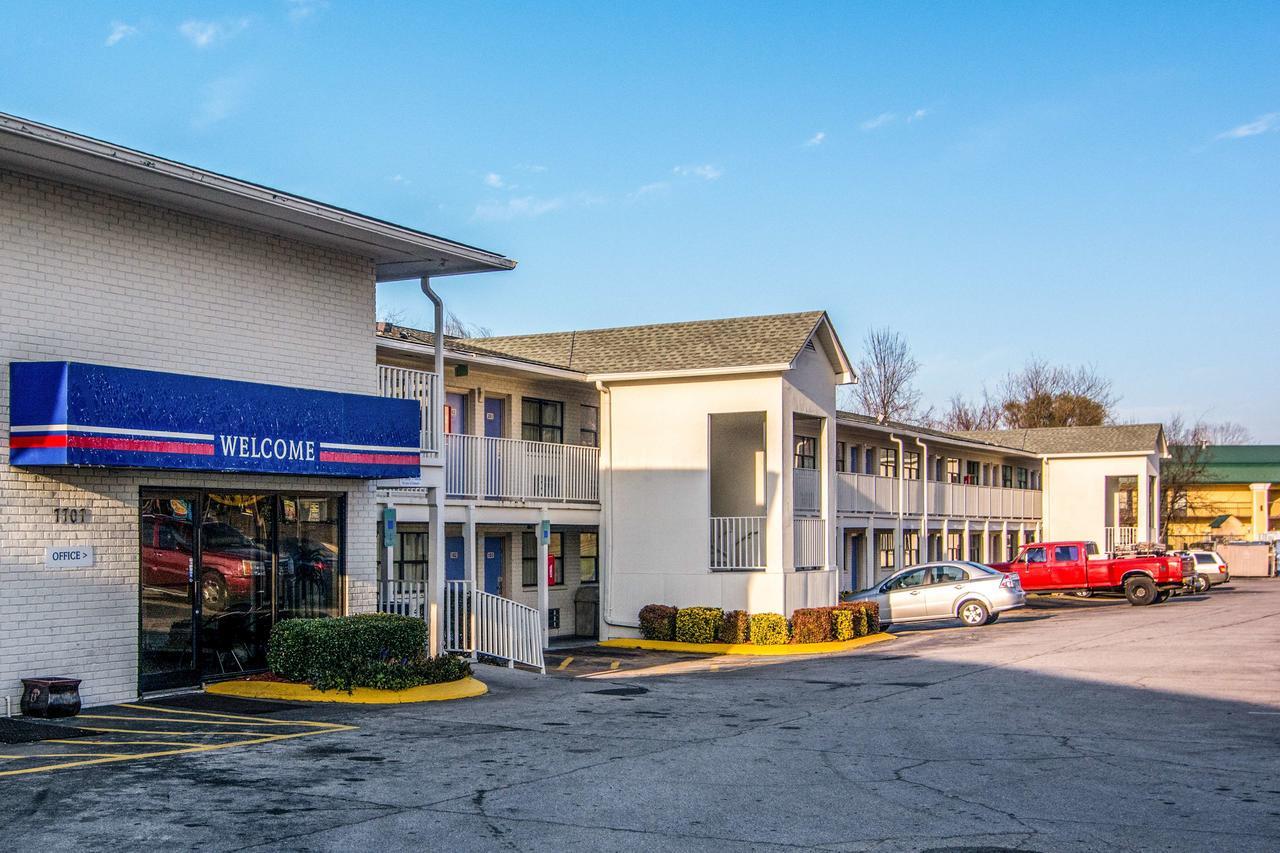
89 277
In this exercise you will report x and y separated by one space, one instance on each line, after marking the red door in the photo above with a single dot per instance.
1067 567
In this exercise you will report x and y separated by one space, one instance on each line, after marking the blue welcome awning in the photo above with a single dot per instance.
69 414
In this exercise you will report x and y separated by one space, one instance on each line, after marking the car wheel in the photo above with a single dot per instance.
1083 593
1201 584
1140 591
213 592
974 614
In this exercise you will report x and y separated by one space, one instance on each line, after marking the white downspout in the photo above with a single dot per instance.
924 495
900 544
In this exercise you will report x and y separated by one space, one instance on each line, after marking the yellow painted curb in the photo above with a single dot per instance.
463 688
748 648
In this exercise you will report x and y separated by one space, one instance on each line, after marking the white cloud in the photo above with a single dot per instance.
300 9
705 171
399 179
222 98
1261 124
204 33
879 121
817 139
493 179
530 207
120 32
917 115
655 188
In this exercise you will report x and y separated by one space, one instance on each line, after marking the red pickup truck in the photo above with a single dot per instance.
1048 567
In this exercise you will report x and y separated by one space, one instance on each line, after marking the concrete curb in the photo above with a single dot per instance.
748 648
463 688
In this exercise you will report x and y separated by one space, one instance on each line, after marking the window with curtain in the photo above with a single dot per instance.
529 559
888 462
589 556
542 420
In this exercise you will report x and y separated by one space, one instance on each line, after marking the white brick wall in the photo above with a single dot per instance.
89 277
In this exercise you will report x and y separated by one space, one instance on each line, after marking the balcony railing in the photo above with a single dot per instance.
1121 537
737 542
806 491
508 469
868 494
402 383
809 538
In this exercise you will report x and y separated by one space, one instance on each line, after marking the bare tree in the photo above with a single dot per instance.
1189 445
456 327
1227 432
963 415
394 316
886 377
1045 395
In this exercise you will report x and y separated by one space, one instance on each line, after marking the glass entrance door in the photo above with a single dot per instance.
167 652
236 601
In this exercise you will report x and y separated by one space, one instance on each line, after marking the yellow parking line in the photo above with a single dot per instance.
153 732
113 759
615 664
564 664
193 722
88 742
223 716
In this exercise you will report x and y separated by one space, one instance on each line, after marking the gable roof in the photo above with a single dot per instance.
1241 463
701 346
1054 441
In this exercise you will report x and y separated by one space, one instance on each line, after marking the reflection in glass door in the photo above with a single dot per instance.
309 556
235 581
167 644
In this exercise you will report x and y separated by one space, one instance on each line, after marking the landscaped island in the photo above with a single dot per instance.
808 625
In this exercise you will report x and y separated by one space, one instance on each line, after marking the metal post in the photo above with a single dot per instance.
469 566
435 572
544 591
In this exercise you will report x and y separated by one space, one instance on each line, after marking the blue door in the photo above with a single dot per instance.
455 568
455 412
495 417
494 561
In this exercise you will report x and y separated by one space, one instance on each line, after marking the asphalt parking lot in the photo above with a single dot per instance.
1071 725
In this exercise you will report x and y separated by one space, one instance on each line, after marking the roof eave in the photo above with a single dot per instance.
397 252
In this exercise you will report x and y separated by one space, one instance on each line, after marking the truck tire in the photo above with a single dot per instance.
974 614
1140 591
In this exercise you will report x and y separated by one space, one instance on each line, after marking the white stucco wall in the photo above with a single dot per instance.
1075 503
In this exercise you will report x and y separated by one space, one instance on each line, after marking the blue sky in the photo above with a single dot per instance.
1093 183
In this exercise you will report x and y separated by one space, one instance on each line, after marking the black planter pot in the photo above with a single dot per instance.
50 696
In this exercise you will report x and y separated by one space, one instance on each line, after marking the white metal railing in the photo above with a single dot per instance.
403 598
737 542
1120 537
404 383
873 494
806 490
480 467
809 537
481 623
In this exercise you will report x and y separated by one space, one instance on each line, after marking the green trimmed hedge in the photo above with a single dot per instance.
768 629
698 624
375 650
658 622
735 627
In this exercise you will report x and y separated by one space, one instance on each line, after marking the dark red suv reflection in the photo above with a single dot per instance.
233 566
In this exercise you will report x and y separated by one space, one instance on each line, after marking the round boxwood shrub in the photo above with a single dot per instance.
369 650
769 629
658 622
698 624
735 627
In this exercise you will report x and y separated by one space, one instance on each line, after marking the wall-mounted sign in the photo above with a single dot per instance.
388 527
544 532
68 413
68 556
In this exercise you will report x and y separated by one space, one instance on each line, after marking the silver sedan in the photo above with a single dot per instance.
955 589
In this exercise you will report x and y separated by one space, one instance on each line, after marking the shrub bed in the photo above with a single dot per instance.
370 650
658 622
698 624
735 627
812 625
768 629
847 624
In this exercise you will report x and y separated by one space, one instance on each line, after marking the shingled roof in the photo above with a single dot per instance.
1051 441
711 345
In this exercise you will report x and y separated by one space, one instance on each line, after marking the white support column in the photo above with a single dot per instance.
1144 507
944 540
986 542
869 557
469 570
1004 542
965 542
435 572
544 591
